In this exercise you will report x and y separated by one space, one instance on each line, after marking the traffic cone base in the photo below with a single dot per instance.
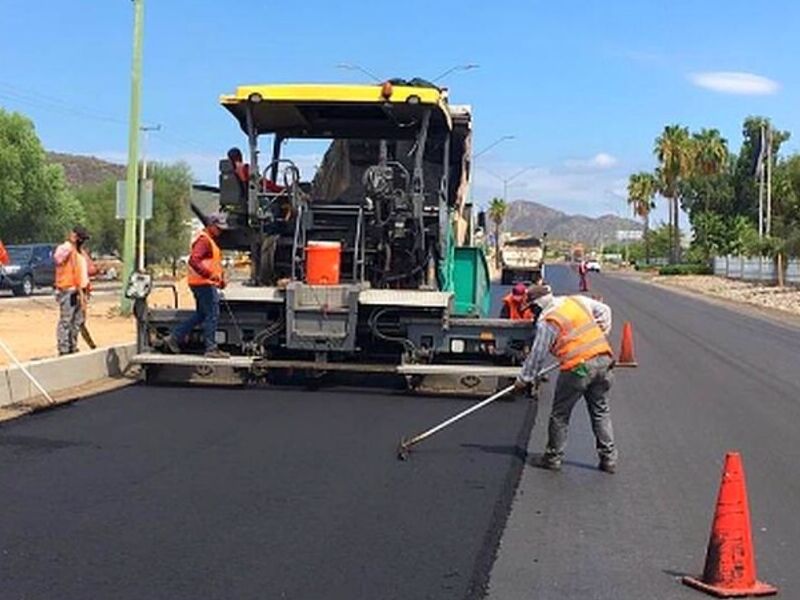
626 358
758 589
730 569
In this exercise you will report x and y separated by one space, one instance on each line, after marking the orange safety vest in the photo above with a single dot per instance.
68 273
579 336
513 309
4 260
213 264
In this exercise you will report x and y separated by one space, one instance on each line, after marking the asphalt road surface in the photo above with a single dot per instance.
282 493
710 380
171 493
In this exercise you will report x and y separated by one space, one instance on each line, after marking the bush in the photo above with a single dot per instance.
645 267
686 269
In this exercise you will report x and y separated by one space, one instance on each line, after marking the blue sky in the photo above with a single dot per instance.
583 86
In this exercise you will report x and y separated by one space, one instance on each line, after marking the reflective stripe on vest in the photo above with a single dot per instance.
213 265
579 337
68 275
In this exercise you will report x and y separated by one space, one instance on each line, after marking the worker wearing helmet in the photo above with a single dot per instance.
573 329
516 306
206 278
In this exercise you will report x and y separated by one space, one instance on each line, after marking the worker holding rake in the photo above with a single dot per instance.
573 329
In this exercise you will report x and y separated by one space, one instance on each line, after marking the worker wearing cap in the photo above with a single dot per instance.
71 288
573 329
206 277
516 306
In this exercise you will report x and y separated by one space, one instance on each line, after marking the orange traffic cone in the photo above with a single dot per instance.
730 569
626 358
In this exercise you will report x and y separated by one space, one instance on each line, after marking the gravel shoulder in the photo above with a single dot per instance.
767 301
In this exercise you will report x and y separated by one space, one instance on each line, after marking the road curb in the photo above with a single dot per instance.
64 373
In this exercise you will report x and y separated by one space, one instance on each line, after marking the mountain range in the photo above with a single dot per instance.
526 217
523 216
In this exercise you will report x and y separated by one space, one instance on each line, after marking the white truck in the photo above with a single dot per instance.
522 260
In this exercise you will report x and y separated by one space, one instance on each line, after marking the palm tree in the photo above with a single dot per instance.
675 152
642 188
710 159
497 213
711 152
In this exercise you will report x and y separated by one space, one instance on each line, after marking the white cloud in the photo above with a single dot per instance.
599 161
732 82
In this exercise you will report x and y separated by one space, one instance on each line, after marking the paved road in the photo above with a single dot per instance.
710 380
281 493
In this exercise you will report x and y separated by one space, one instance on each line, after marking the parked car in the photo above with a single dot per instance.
30 266
593 265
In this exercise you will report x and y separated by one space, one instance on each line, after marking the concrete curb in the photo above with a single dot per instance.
62 373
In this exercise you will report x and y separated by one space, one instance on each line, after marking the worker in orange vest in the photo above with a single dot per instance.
4 260
72 287
515 304
583 273
573 329
206 278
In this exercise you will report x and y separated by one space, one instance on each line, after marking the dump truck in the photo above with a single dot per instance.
522 260
365 265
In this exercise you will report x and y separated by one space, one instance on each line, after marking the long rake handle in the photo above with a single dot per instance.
406 444
418 438
27 373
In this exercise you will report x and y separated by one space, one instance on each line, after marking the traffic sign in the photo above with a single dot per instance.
145 199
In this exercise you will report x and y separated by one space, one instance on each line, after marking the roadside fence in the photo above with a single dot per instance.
757 268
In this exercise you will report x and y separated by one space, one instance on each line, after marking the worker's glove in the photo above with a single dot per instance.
520 386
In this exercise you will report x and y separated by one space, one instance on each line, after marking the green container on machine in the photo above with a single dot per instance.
471 283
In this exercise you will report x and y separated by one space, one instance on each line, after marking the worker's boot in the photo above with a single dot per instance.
171 344
547 462
607 465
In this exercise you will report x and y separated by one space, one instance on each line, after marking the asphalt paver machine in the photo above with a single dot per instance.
398 290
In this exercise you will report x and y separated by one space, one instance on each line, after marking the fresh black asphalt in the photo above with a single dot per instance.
710 380
278 493
151 493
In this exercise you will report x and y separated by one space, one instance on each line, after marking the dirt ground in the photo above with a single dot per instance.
29 328
765 296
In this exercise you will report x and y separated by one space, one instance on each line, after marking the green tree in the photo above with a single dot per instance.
642 188
167 233
675 152
35 205
497 213
99 204
710 152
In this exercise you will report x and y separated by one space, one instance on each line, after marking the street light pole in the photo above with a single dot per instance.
466 67
354 67
132 188
507 180
499 140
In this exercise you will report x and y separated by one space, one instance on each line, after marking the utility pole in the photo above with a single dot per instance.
132 187
761 184
769 180
146 131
